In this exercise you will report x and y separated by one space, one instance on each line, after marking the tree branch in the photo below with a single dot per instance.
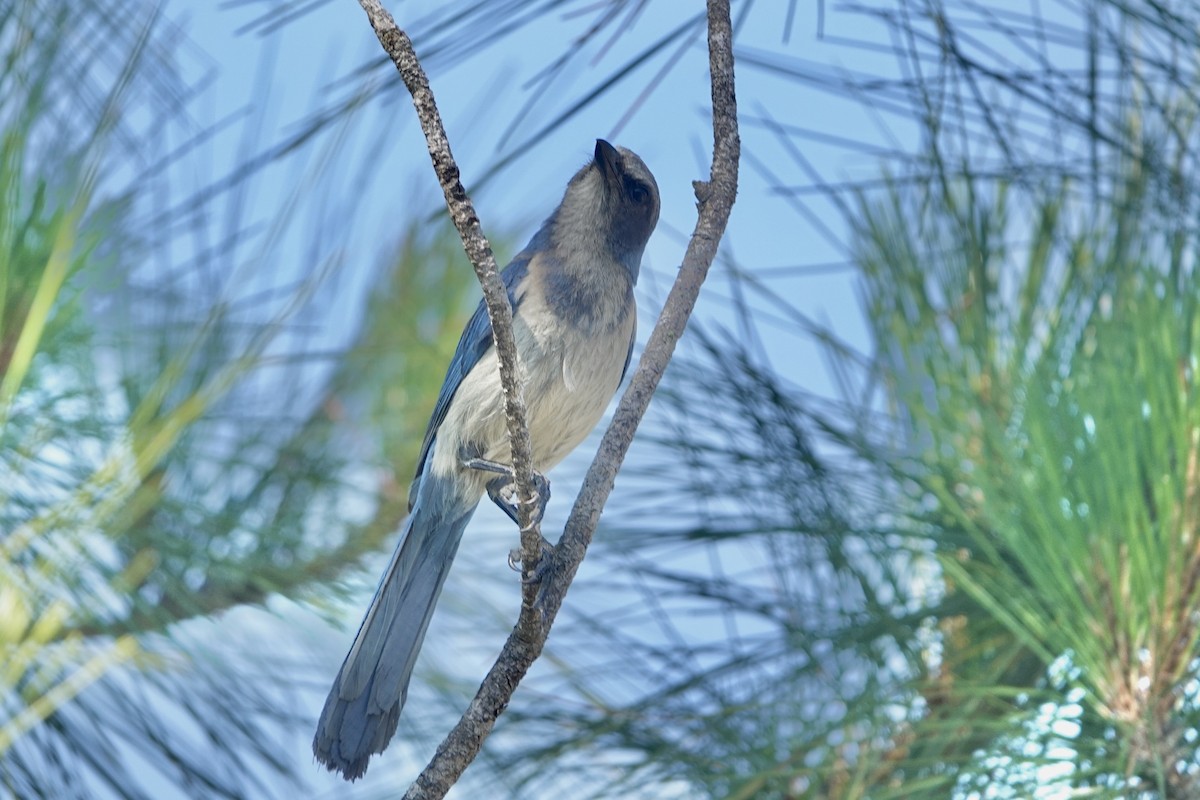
715 201
400 49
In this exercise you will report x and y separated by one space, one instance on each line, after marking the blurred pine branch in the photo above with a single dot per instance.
171 448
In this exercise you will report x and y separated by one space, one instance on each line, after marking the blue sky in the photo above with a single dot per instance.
480 98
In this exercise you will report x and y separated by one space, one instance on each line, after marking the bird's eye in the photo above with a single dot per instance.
638 193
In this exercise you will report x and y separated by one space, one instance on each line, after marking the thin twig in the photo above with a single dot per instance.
715 200
400 49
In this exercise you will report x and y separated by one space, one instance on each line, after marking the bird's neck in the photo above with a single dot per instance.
588 286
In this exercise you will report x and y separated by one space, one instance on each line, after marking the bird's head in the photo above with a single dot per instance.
612 203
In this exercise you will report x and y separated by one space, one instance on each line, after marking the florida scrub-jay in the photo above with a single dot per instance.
574 318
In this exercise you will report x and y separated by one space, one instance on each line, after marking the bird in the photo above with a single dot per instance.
574 324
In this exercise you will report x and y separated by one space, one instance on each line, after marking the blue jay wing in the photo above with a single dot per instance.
475 341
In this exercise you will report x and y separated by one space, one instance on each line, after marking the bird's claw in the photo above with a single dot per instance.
538 570
540 575
503 492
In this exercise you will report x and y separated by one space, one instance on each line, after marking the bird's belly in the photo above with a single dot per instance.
573 398
569 379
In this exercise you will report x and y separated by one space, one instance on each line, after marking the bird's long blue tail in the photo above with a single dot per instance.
363 707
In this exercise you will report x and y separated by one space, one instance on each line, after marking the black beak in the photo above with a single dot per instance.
609 161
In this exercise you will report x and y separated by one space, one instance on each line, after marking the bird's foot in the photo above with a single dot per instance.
540 569
503 490
540 575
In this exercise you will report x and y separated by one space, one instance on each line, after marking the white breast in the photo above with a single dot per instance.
569 378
